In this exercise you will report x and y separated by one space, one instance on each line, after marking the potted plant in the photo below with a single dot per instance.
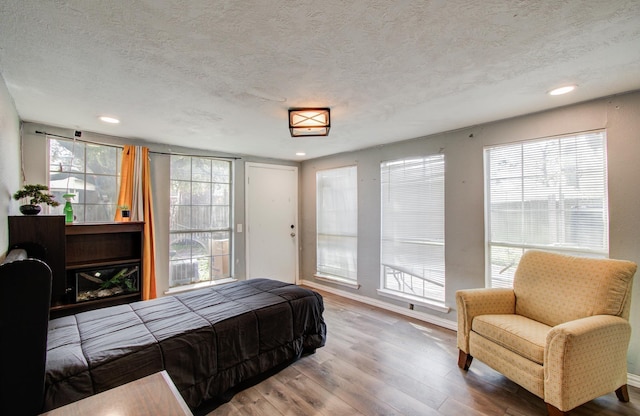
34 195
124 209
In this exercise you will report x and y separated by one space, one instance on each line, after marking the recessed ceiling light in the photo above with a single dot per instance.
562 90
109 120
301 154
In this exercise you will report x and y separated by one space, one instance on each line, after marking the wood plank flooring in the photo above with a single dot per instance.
376 362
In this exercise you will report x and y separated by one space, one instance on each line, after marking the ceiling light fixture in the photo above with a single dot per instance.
301 154
562 90
109 120
309 122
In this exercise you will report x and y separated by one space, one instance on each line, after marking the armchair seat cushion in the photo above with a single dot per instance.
516 333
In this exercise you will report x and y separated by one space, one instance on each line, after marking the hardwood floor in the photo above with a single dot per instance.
379 363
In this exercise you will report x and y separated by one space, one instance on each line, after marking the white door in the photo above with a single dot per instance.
272 221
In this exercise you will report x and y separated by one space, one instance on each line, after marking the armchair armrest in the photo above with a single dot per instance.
474 302
584 359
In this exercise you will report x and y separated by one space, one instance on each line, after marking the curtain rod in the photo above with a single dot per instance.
77 138
150 151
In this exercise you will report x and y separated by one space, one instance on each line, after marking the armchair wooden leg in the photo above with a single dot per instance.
622 393
464 360
554 411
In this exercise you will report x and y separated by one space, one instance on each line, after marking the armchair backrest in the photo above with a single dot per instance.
555 288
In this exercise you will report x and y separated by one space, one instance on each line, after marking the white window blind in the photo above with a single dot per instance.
412 235
337 222
548 194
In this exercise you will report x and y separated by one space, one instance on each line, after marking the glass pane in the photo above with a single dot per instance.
179 218
201 253
66 156
99 213
181 168
504 262
180 192
220 217
78 213
201 217
200 193
221 171
182 272
220 194
337 256
201 170
101 189
102 159
64 183
221 255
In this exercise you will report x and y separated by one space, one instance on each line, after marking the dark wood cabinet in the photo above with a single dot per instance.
103 244
42 236
94 264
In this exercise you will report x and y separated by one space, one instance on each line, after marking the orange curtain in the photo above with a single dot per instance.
135 192
127 174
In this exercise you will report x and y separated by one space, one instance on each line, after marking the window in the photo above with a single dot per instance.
200 220
337 223
412 235
548 194
89 171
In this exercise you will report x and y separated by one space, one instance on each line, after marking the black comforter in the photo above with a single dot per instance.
208 340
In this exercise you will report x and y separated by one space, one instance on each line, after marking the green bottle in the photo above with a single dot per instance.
68 208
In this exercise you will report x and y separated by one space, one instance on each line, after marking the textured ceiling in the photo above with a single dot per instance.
220 75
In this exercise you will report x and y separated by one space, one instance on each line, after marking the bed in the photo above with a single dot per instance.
209 340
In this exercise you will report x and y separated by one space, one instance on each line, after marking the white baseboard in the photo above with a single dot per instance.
632 379
384 305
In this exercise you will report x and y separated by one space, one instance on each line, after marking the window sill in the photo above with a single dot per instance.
414 300
193 286
337 280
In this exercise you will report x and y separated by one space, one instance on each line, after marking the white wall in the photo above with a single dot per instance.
464 195
9 163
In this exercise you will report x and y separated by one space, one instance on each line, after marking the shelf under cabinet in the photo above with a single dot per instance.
102 263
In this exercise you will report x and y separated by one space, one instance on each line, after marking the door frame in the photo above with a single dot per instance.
247 214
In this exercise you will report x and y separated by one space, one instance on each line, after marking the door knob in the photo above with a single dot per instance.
293 234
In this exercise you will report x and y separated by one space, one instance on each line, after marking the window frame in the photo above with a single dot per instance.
515 249
81 206
212 244
433 236
348 276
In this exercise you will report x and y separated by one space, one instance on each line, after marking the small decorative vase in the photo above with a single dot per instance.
30 209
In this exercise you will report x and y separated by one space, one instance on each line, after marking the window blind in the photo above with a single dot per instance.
337 222
546 194
412 232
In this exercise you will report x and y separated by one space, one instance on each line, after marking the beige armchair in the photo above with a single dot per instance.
562 332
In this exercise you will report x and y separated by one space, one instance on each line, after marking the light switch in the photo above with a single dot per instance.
239 228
